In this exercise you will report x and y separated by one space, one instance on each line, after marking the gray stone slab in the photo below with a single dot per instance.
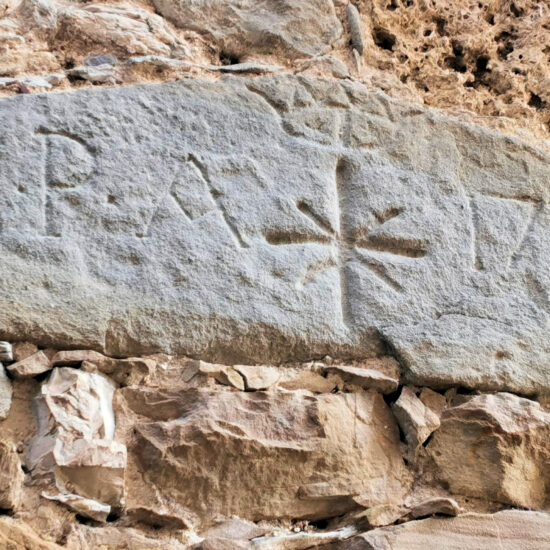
273 218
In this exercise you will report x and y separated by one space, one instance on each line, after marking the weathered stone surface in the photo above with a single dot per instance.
235 529
213 450
258 377
381 515
35 364
75 358
84 506
433 400
437 505
310 380
75 440
302 541
274 218
365 378
11 476
509 530
416 420
14 534
5 393
6 351
22 350
495 447
354 22
119 538
296 27
223 374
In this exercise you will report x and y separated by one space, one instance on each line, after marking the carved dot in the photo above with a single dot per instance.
111 199
21 188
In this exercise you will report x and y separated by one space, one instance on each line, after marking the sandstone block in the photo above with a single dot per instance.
294 28
292 218
495 447
365 378
11 476
508 530
226 450
35 364
415 419
22 350
258 377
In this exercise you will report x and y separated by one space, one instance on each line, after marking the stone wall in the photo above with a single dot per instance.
265 305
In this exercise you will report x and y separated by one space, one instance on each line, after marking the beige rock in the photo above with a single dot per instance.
126 372
508 530
437 505
17 535
235 528
219 543
122 29
5 393
381 515
258 377
22 350
76 436
11 476
310 380
433 400
365 378
291 28
224 451
157 517
377 492
84 506
494 447
83 537
75 358
223 374
415 419
6 351
35 364
302 541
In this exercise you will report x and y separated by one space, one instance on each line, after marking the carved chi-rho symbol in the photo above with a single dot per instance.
348 243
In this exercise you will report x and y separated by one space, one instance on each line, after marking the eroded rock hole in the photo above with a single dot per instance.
383 38
537 102
227 58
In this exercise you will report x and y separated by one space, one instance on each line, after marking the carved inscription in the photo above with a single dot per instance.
68 162
500 228
347 244
195 195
